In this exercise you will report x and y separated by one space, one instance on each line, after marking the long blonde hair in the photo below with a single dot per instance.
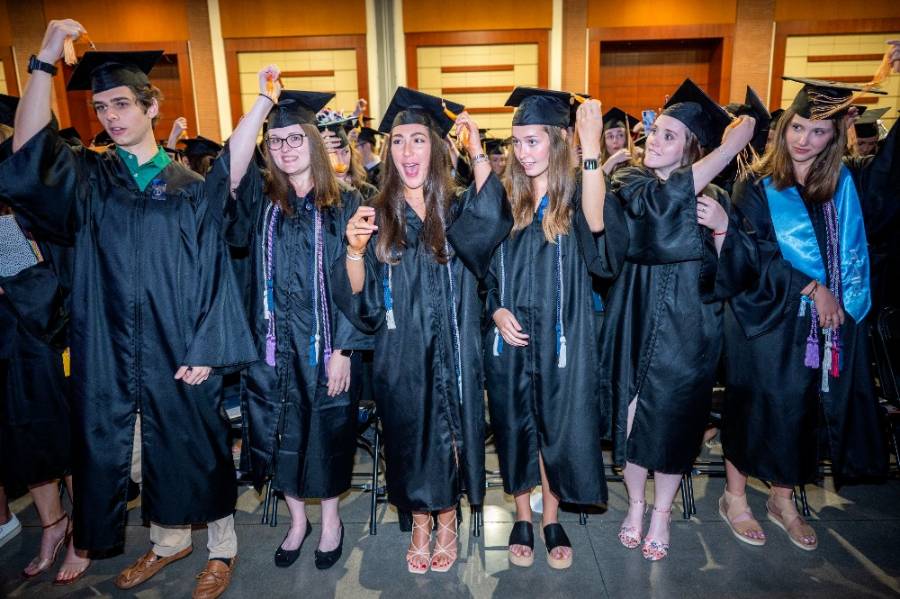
822 178
560 186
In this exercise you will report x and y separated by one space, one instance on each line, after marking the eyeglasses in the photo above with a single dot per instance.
294 140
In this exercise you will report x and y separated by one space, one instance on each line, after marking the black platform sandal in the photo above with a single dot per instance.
522 533
554 536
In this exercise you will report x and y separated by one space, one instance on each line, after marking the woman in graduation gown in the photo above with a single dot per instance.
660 349
299 419
345 159
617 150
541 354
35 427
152 294
415 287
797 359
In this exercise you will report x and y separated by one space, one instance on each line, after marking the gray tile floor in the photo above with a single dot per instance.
858 555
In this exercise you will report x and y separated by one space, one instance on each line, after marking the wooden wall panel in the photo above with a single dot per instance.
821 10
276 18
657 13
116 22
473 15
6 37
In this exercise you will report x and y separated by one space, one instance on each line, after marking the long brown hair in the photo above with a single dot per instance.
390 204
357 170
822 178
560 186
326 190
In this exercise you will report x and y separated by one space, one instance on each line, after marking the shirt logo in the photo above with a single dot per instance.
158 189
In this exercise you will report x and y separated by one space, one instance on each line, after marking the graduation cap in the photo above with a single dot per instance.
699 113
573 108
820 99
776 116
337 124
754 107
494 146
616 118
297 108
8 105
200 146
102 71
536 106
867 126
367 135
410 106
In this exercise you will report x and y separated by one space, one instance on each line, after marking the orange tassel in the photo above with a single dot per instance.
462 135
884 70
581 100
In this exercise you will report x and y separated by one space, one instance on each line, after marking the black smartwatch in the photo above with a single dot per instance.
39 65
347 353
590 164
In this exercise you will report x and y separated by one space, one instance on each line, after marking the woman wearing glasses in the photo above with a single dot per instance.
298 415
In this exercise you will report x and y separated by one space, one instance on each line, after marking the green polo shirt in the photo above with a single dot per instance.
144 173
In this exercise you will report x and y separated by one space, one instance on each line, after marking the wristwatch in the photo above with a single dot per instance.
347 353
40 65
590 164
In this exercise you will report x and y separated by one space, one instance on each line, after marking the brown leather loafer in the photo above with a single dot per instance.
146 568
214 579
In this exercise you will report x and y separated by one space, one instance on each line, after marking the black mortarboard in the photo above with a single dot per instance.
367 135
754 107
699 113
200 146
776 116
494 146
819 99
339 128
8 105
867 126
101 71
410 106
297 108
102 139
617 118
537 106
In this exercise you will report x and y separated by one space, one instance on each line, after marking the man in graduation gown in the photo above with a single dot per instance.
154 310
365 143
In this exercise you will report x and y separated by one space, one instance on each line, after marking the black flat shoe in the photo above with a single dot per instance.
286 557
326 559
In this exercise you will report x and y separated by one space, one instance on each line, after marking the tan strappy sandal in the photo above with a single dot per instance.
742 522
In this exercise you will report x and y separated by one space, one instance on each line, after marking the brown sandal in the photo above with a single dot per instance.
743 521
791 522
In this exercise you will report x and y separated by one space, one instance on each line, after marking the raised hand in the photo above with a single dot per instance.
53 46
270 82
473 142
739 132
589 125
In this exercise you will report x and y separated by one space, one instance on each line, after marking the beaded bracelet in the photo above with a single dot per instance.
354 256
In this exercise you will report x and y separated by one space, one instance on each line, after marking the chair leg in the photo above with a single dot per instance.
268 497
685 504
803 501
373 506
582 518
892 432
475 510
690 479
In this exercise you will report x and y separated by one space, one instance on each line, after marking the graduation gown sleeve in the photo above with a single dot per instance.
44 181
603 252
483 219
37 300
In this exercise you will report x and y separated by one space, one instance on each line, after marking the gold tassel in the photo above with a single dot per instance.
462 135
69 55
825 107
580 100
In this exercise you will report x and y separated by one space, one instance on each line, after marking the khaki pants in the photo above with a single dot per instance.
169 540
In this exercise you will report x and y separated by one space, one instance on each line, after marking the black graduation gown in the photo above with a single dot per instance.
775 412
152 290
433 437
535 405
292 430
662 339
35 438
